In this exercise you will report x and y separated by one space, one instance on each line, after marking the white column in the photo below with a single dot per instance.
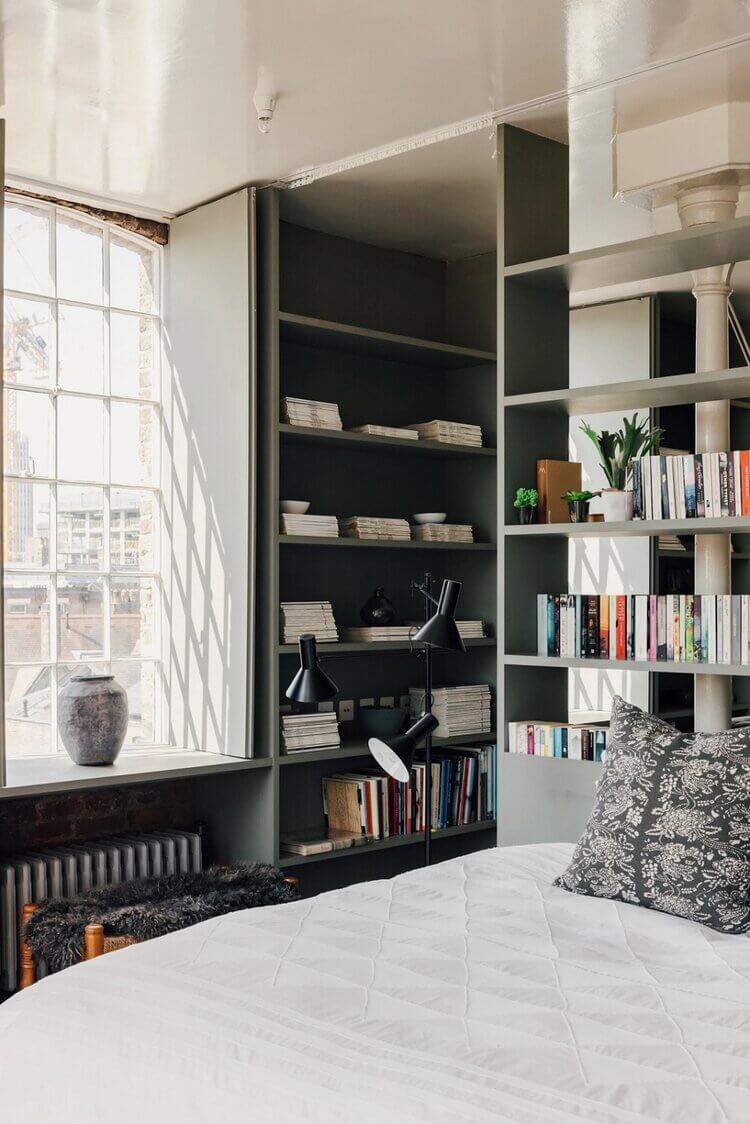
713 573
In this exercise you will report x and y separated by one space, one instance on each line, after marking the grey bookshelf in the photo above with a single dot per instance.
393 338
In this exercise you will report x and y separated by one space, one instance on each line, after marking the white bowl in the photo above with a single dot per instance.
430 517
294 507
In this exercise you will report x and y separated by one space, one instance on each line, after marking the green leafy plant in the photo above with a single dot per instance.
617 451
526 497
579 497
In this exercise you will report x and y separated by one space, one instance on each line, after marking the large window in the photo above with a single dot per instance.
82 435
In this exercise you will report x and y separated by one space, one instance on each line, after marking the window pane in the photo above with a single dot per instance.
26 540
26 603
132 626
26 345
80 438
27 249
28 714
133 354
80 356
79 260
140 682
132 529
80 618
80 528
131 275
28 433
135 434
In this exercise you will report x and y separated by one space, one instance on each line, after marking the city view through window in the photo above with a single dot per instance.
82 433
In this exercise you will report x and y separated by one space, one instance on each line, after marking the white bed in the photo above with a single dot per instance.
474 991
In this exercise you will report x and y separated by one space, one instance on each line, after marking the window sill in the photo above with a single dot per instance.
39 776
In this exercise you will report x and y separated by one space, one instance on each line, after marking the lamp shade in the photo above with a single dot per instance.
310 684
395 755
441 630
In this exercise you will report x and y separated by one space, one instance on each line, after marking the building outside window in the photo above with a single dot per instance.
82 439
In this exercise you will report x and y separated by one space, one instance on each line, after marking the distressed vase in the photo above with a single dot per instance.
92 718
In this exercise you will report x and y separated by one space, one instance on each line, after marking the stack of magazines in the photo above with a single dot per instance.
314 415
319 526
443 532
467 630
451 433
372 527
298 617
386 431
372 634
459 710
319 730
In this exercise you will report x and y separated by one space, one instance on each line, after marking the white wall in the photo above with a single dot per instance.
208 424
607 342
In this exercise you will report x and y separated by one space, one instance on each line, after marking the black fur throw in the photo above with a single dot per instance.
151 907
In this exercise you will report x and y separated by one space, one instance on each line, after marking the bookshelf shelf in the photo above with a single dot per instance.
359 749
632 527
385 544
341 438
350 647
386 844
328 334
657 667
673 390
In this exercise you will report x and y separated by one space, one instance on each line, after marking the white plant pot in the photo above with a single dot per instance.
615 505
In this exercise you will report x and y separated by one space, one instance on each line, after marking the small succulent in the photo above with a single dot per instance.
579 497
526 497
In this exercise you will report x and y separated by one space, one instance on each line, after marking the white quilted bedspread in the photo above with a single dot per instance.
471 992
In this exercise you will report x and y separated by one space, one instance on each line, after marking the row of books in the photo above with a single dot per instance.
692 486
311 414
673 628
460 711
562 739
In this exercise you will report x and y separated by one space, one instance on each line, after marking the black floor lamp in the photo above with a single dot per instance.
395 755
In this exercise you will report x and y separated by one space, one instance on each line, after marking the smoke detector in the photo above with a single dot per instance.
264 100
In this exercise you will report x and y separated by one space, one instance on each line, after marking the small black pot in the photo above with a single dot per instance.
526 514
579 510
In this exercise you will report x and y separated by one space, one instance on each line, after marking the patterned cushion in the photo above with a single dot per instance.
670 827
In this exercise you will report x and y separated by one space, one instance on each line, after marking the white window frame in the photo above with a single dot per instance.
53 392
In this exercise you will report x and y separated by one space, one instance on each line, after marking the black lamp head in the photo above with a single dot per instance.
441 630
310 684
395 755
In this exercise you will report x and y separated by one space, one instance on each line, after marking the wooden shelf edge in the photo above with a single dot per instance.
386 844
382 544
633 527
359 749
346 437
662 667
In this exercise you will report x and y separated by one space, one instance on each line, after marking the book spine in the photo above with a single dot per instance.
661 627
737 483
635 483
663 475
726 624
723 485
641 627
563 625
690 502
709 604
744 622
700 495
541 621
647 492
697 628
681 502
745 480
736 610
671 488
731 500
592 627
621 626
550 624
652 627
579 649
604 627
689 633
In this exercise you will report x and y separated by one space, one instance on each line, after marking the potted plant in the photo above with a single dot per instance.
526 501
578 505
617 451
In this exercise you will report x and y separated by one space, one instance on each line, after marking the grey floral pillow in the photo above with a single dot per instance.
670 827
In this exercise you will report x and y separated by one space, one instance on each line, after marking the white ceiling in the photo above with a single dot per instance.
149 102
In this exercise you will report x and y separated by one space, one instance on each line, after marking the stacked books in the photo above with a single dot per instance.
386 431
443 532
298 617
672 628
314 415
557 739
687 486
314 843
318 730
459 710
372 527
468 630
321 526
368 804
373 634
671 543
452 433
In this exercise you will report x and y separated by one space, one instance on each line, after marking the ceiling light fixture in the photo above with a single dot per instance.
264 99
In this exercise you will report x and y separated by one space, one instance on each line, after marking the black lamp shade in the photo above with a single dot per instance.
310 684
441 630
395 755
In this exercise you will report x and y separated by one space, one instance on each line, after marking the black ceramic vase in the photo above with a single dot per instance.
526 514
377 610
579 510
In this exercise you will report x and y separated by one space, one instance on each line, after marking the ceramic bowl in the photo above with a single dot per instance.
430 517
294 507
381 721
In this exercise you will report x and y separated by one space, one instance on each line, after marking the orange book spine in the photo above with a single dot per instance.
604 627
620 625
745 480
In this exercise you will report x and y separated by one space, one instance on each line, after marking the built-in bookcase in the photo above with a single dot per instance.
393 338
541 798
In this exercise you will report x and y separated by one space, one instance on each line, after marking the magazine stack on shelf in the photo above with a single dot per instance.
460 711
386 431
298 617
308 413
579 742
318 730
372 527
318 526
451 433
442 532
372 634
